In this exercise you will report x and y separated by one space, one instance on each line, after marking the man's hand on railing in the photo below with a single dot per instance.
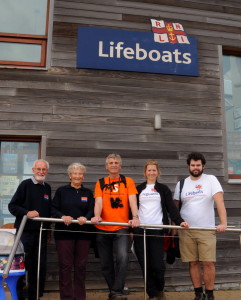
96 220
134 222
32 214
221 228
184 224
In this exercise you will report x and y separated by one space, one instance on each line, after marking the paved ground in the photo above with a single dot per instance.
219 295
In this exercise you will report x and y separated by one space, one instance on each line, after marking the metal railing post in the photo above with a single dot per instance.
14 248
39 254
10 259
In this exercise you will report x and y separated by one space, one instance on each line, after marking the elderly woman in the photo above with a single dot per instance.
73 201
155 205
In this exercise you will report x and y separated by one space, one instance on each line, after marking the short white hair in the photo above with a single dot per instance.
41 160
76 166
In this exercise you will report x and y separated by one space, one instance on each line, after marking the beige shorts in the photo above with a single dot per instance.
197 245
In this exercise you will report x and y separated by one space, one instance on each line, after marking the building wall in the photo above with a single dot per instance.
87 114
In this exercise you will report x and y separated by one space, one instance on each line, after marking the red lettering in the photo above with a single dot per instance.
160 38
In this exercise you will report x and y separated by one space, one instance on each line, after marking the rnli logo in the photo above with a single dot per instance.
198 187
166 32
198 191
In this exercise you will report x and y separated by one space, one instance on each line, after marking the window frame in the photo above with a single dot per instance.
42 40
228 51
24 138
42 62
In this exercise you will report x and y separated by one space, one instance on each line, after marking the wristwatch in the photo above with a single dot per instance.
136 216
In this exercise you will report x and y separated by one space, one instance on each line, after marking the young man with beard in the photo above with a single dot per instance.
197 198
33 198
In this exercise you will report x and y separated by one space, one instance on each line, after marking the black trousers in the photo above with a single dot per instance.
113 249
72 254
155 271
30 240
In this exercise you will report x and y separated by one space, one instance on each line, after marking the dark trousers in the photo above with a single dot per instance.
72 255
113 248
154 258
30 240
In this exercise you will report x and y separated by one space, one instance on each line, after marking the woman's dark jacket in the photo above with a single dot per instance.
167 203
75 203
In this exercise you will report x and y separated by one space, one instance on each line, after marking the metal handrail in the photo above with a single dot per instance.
229 229
55 220
144 235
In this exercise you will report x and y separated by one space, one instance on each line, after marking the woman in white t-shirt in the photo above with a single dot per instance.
155 203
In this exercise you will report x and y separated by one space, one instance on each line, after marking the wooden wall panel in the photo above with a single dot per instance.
87 114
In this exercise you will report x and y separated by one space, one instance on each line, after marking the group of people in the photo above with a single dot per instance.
117 200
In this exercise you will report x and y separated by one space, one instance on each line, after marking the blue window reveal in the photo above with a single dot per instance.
232 92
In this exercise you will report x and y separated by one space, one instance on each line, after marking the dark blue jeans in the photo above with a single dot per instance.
113 248
154 258
30 240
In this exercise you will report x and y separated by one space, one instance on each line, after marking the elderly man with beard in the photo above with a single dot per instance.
33 198
197 198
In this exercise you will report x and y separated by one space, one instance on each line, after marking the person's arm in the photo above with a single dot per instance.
170 206
16 205
219 200
173 209
134 210
177 203
97 210
176 197
176 200
56 205
90 212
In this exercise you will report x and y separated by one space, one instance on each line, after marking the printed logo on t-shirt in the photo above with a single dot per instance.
197 191
84 199
116 188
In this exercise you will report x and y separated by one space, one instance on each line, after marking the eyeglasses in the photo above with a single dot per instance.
40 169
115 203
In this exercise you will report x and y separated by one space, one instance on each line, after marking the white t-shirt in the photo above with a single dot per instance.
197 200
150 210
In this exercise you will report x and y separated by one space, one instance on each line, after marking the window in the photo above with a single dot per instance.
232 96
24 32
16 160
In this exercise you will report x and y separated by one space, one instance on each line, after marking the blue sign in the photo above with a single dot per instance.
112 49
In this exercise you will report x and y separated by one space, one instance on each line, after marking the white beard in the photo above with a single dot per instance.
39 178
